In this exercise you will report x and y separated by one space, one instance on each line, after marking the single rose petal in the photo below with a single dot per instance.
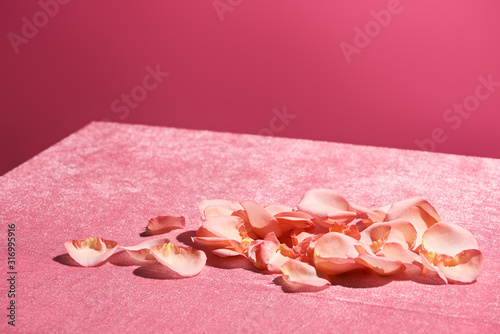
334 253
261 220
92 251
300 276
465 267
164 224
141 251
217 206
185 261
326 204
448 239
452 252
381 265
336 244
399 209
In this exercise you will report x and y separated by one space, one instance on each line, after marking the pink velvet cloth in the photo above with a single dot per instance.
107 180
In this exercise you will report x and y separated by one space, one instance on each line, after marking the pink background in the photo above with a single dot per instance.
228 72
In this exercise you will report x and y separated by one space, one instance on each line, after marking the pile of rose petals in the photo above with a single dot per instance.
180 260
326 235
323 236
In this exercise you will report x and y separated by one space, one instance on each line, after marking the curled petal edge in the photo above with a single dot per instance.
141 251
184 261
165 224
90 252
300 276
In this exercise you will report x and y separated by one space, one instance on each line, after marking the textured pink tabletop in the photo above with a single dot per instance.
108 179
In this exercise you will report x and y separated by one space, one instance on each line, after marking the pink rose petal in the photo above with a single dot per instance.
164 224
90 252
465 267
327 204
448 239
334 253
300 276
452 252
261 220
185 261
141 251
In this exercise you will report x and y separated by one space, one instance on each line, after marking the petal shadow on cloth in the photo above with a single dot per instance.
67 260
185 238
156 271
123 259
281 282
365 279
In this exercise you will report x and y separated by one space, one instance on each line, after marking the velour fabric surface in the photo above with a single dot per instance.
108 179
